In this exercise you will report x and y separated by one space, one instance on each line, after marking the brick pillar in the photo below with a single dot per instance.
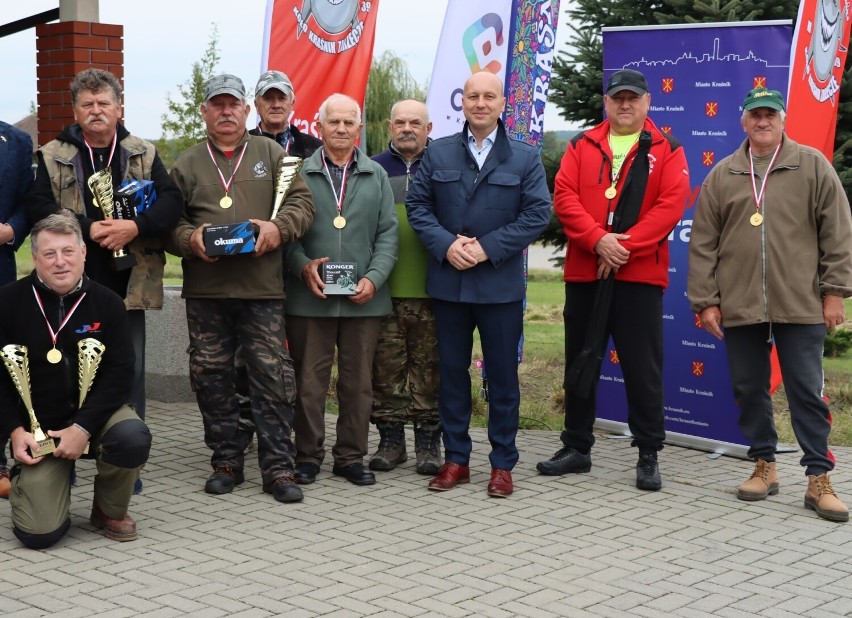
64 49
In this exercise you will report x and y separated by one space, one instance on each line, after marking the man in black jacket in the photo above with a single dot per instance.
273 99
47 316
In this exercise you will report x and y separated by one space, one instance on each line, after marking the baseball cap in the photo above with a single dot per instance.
273 79
224 84
763 97
626 79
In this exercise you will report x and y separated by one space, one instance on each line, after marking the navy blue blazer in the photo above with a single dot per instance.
16 176
505 205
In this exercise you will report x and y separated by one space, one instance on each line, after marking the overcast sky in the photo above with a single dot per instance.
162 38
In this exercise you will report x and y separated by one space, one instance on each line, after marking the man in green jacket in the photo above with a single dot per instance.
770 259
238 299
355 230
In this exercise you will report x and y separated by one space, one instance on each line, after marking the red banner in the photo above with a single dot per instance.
324 47
820 45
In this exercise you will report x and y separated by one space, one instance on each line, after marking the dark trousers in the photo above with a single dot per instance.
313 342
636 326
800 348
216 327
136 319
500 327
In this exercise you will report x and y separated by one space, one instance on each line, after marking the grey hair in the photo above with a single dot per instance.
338 98
62 222
95 80
781 113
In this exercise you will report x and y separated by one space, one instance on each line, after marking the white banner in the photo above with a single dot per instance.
475 37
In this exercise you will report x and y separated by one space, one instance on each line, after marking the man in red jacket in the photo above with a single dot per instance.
621 188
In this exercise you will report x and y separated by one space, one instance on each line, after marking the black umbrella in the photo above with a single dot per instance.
583 373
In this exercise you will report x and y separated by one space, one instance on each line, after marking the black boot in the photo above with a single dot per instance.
427 447
391 449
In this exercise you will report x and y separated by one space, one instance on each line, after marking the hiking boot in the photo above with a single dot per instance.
115 529
821 498
763 482
565 460
223 479
5 483
284 489
427 448
648 472
391 449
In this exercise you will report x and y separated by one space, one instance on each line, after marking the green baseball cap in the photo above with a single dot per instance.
763 97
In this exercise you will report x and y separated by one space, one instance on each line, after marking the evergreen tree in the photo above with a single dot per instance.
182 125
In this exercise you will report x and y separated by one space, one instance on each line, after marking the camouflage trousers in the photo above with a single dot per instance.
216 328
405 368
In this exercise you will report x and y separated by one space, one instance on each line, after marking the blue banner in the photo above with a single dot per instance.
698 76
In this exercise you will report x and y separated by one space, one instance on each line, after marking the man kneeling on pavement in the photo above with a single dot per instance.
65 342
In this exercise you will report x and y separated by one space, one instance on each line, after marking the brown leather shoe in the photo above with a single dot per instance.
5 484
115 529
450 475
821 498
500 485
763 482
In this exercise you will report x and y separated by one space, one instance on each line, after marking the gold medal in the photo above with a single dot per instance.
54 356
610 193
339 222
756 219
226 201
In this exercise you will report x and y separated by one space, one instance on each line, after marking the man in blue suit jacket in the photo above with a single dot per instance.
16 176
478 200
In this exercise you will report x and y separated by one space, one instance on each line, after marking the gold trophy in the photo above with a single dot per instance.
18 365
287 172
100 184
89 356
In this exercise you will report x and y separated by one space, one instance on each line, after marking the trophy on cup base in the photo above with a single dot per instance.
89 355
100 184
18 365
287 172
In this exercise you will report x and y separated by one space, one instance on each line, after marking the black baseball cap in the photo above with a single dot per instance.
626 79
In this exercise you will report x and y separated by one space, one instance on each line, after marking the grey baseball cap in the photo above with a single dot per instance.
273 79
225 84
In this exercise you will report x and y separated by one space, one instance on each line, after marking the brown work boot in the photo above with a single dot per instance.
5 484
115 529
763 482
821 498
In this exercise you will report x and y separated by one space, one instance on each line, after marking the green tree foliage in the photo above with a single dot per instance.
389 82
182 124
577 82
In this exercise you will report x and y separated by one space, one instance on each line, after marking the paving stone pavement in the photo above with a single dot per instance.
584 545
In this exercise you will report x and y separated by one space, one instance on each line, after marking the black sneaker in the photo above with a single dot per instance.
355 473
284 489
648 472
566 460
223 479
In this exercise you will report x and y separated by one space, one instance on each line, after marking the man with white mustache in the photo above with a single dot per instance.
98 141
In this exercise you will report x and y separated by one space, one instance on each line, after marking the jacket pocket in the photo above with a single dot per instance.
504 191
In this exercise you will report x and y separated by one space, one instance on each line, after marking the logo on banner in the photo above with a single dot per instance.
333 18
708 157
759 81
666 128
697 322
711 108
613 357
481 41
697 368
822 61
668 84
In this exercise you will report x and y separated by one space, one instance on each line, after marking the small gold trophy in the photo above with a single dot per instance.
100 184
89 356
18 365
287 172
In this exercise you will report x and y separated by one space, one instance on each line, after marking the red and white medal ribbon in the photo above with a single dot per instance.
54 355
226 201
